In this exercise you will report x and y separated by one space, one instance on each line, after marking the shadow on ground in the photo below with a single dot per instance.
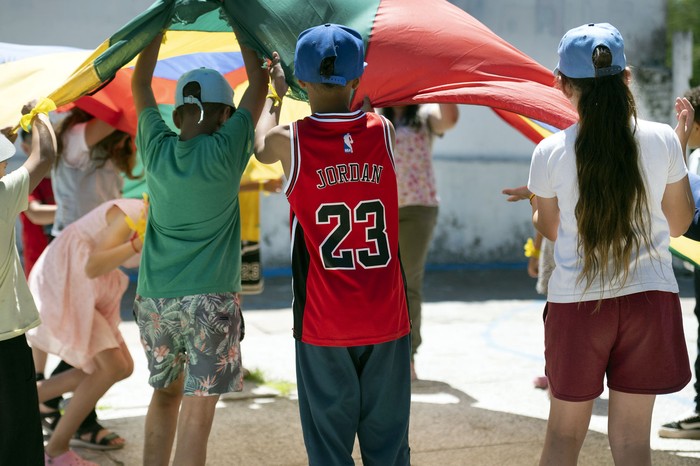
446 429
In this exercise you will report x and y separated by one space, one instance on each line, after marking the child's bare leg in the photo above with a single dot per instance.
59 384
566 430
629 428
193 430
161 423
113 365
39 357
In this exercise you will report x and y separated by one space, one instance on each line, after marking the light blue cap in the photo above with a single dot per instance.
577 46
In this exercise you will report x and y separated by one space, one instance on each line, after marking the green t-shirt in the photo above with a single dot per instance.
193 235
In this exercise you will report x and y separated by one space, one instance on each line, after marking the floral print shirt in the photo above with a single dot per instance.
414 165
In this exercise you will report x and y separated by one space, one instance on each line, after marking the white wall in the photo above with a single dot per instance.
474 161
75 23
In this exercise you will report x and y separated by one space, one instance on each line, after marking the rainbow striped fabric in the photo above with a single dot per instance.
450 58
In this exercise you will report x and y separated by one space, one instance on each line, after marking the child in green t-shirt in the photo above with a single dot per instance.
187 304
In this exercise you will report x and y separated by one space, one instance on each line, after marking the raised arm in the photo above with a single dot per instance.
685 114
443 118
253 98
272 141
143 74
43 151
96 130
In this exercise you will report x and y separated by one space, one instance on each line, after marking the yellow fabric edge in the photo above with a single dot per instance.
187 42
686 248
540 130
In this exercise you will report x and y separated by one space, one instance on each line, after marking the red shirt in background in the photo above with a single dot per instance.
34 238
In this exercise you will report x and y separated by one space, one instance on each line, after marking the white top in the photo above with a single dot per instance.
694 162
17 310
79 184
553 174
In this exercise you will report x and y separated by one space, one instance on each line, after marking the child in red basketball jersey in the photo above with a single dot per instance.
351 321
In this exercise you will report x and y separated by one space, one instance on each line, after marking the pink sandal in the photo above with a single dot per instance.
69 458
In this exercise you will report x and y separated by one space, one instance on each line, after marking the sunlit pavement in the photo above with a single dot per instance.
474 405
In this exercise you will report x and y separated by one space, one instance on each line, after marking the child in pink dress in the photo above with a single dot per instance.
78 287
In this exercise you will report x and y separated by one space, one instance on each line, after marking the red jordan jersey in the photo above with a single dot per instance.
347 280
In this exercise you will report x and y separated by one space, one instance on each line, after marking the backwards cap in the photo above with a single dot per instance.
7 149
213 89
329 40
577 46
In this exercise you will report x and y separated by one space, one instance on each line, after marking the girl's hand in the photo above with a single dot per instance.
136 242
517 194
533 267
685 113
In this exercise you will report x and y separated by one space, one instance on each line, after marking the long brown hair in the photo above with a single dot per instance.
109 148
612 212
409 118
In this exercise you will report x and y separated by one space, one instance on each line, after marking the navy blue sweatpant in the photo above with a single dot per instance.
357 390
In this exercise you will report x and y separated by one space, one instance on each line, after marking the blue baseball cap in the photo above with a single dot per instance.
577 46
329 40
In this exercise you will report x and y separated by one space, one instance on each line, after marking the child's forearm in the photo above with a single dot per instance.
43 151
146 62
257 75
102 262
143 74
41 214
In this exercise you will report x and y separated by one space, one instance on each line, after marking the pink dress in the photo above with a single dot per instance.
80 316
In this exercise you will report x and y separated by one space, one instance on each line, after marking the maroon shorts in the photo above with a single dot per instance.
636 340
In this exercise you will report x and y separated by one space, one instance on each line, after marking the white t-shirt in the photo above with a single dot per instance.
18 312
553 174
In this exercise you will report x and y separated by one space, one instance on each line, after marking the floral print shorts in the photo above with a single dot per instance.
198 334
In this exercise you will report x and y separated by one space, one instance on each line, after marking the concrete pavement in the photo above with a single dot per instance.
474 405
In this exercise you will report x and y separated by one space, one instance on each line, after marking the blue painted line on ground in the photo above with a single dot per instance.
491 341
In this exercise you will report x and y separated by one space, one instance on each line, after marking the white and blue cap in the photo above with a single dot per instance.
577 46
213 89
7 149
329 40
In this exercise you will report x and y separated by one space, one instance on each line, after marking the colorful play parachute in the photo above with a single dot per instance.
417 51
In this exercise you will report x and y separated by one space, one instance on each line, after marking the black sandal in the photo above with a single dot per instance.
105 443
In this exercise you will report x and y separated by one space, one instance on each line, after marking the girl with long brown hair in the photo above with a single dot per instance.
610 190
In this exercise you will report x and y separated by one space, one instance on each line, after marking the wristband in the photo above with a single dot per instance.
532 196
276 99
